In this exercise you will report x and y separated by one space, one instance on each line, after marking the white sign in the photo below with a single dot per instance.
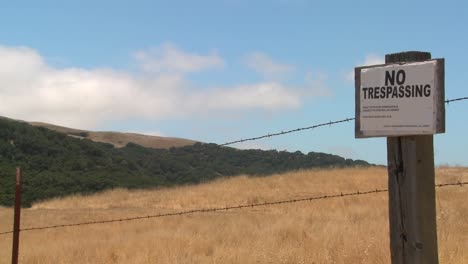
399 99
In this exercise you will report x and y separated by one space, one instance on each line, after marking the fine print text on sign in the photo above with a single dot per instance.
400 99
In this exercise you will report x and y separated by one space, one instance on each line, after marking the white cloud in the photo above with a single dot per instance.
371 59
168 58
265 65
32 90
268 96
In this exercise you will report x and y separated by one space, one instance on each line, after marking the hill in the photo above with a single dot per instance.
119 139
55 164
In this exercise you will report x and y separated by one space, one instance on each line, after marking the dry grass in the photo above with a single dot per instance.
345 230
119 139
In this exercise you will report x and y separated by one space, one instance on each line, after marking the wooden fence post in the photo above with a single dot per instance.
411 179
17 217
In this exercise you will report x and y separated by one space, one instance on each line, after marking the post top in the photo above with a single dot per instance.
407 56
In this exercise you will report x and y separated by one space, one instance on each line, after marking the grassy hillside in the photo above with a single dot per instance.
119 139
55 164
341 230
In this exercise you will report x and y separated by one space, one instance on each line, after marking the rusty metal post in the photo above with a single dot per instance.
16 224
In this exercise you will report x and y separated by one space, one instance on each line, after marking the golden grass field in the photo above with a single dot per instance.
339 230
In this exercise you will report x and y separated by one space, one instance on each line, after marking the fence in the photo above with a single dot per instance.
226 208
250 205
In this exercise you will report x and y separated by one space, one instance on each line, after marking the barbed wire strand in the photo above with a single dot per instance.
288 131
456 99
312 127
226 208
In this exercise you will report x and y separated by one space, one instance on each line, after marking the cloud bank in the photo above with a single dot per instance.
33 90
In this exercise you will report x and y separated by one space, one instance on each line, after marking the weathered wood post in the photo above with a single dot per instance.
17 218
411 190
403 100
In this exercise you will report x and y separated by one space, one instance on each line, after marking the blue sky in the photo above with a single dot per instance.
217 71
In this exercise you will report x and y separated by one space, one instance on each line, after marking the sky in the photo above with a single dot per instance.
218 71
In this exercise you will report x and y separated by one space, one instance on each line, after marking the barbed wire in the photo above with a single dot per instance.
312 127
456 99
459 183
226 208
288 131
